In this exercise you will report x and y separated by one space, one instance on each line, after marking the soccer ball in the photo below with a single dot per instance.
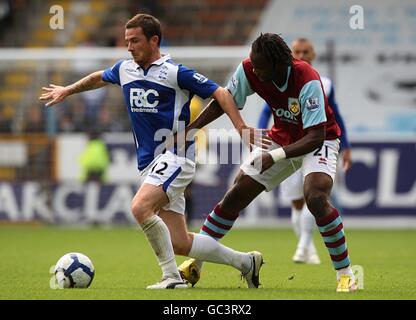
74 270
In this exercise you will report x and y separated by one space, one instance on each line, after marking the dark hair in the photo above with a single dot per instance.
273 48
149 24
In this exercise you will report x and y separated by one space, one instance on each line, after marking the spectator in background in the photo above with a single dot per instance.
35 121
6 117
79 118
109 121
66 123
146 6
92 100
95 159
8 18
74 120
5 13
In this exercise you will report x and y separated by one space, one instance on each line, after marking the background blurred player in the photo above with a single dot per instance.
305 135
292 188
201 141
95 158
157 93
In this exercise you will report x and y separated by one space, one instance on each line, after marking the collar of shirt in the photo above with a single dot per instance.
158 62
284 87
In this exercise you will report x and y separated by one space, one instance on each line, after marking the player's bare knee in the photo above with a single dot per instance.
141 210
317 202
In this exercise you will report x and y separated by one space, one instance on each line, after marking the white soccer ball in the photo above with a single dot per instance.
74 270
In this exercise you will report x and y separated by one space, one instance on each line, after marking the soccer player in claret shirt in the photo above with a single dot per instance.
157 95
292 188
305 135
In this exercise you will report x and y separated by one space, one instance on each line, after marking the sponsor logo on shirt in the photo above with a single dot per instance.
286 115
143 100
312 104
200 78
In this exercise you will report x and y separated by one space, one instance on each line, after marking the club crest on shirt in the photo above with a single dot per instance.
163 74
312 104
293 105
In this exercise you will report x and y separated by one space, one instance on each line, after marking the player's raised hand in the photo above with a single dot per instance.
53 94
258 137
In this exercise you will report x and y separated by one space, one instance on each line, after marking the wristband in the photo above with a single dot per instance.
278 154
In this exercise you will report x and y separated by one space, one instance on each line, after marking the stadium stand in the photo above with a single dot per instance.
215 22
88 24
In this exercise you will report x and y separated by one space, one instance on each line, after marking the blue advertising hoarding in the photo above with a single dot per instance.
382 182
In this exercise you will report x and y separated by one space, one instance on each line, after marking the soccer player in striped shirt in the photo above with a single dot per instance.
305 135
292 188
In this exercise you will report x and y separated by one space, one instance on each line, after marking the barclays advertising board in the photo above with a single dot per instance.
382 182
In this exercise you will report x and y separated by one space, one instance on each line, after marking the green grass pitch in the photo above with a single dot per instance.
125 265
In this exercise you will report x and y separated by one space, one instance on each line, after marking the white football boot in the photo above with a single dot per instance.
300 256
252 276
313 258
169 283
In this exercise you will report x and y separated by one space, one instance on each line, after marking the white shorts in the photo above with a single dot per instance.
321 160
292 188
172 172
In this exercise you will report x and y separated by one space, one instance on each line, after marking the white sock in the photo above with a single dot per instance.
312 248
346 270
207 249
295 218
158 235
307 225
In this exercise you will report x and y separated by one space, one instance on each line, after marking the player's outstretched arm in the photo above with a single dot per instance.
223 102
249 135
211 113
227 104
214 110
55 94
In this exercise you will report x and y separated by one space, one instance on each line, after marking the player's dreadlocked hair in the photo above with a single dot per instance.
273 48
